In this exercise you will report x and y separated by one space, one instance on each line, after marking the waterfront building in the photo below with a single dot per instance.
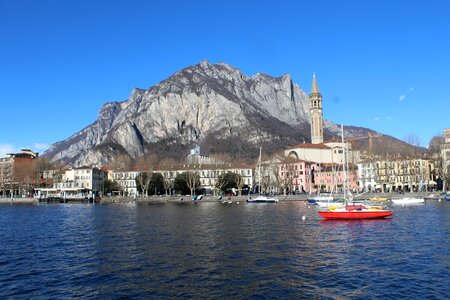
396 174
89 178
300 176
209 173
126 179
76 183
295 175
17 173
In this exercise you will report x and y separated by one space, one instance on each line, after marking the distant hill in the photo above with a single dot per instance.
215 106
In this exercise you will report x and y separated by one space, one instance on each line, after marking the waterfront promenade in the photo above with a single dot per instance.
210 198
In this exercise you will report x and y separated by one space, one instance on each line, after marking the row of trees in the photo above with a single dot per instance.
153 183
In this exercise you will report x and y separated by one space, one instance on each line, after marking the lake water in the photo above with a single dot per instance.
227 251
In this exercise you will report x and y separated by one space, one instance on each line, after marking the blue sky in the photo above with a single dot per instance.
383 65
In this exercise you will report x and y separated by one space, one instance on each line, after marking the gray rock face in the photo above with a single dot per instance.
201 102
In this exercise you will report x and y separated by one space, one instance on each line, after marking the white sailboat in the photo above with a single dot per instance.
260 198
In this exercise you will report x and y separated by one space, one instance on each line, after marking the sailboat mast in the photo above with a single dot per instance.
344 162
259 171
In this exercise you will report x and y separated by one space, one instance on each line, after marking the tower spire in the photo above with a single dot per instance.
314 88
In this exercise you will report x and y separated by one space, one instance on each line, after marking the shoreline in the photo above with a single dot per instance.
210 199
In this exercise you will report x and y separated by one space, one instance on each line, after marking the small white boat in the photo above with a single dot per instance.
325 201
408 200
263 199
315 200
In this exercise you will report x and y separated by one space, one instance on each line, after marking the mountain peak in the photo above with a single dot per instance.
201 104
205 64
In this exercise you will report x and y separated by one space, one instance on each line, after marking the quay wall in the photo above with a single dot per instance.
281 198
187 199
18 200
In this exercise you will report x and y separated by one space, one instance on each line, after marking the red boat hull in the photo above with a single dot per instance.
348 215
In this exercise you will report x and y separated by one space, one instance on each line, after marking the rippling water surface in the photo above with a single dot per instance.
212 250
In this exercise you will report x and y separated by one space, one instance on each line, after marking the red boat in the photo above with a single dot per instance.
355 212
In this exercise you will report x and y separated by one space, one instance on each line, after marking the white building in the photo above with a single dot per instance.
127 181
209 173
331 152
77 183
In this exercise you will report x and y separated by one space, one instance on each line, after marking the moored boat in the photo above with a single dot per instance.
378 199
319 199
338 202
356 212
263 199
408 200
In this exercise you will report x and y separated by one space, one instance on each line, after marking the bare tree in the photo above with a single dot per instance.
40 166
143 179
414 141
192 181
239 181
5 177
285 180
168 185
276 172
220 181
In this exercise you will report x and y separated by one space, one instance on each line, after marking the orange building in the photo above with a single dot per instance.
17 173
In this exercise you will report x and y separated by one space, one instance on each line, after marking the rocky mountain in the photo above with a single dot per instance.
215 106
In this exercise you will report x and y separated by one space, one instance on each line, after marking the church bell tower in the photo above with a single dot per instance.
315 99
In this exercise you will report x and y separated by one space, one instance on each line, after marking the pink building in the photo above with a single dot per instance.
331 177
296 175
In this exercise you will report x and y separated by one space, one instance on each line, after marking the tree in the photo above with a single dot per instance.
219 182
228 181
286 180
156 184
276 172
6 174
143 180
192 181
180 184
109 186
239 181
168 185
41 164
414 141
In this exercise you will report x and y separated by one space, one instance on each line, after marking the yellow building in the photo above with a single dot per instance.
396 174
